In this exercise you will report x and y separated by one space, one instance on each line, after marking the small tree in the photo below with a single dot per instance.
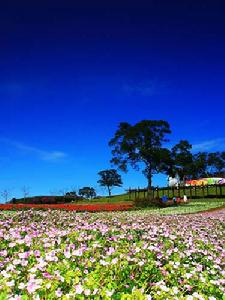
25 190
62 192
73 194
109 178
5 194
87 192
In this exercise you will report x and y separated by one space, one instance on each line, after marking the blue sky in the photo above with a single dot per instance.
71 72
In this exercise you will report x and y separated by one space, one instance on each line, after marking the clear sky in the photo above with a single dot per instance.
70 71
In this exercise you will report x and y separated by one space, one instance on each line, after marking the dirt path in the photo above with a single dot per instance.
220 211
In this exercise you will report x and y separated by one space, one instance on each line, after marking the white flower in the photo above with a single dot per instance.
109 293
164 288
16 297
33 270
188 275
67 254
189 297
87 292
48 285
95 291
21 286
79 289
175 290
77 252
5 274
196 295
10 283
58 293
103 262
114 261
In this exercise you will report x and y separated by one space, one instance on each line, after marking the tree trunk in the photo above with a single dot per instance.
149 181
149 177
109 191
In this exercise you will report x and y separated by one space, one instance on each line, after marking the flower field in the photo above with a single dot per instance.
56 254
71 207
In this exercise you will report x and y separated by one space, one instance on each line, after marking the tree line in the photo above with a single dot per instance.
142 146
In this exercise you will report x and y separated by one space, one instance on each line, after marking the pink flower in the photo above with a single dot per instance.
58 293
87 292
47 275
77 252
32 287
79 289
110 251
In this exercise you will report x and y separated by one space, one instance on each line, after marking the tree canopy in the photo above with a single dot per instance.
87 192
109 178
182 160
141 145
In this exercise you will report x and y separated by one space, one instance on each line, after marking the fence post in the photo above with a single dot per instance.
220 187
178 190
129 193
203 190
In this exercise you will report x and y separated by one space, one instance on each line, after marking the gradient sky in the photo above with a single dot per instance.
71 71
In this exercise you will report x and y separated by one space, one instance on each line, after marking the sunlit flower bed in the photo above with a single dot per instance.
127 255
71 207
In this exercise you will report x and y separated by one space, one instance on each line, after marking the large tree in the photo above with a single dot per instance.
182 160
141 145
109 178
87 192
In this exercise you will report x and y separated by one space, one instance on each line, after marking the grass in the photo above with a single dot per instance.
112 199
194 206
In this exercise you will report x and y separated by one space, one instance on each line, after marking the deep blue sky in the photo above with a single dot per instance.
71 71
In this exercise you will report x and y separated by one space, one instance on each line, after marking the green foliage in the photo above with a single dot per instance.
109 178
208 164
200 165
216 162
181 159
141 144
87 192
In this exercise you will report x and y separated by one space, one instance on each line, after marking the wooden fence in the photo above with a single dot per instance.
192 192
